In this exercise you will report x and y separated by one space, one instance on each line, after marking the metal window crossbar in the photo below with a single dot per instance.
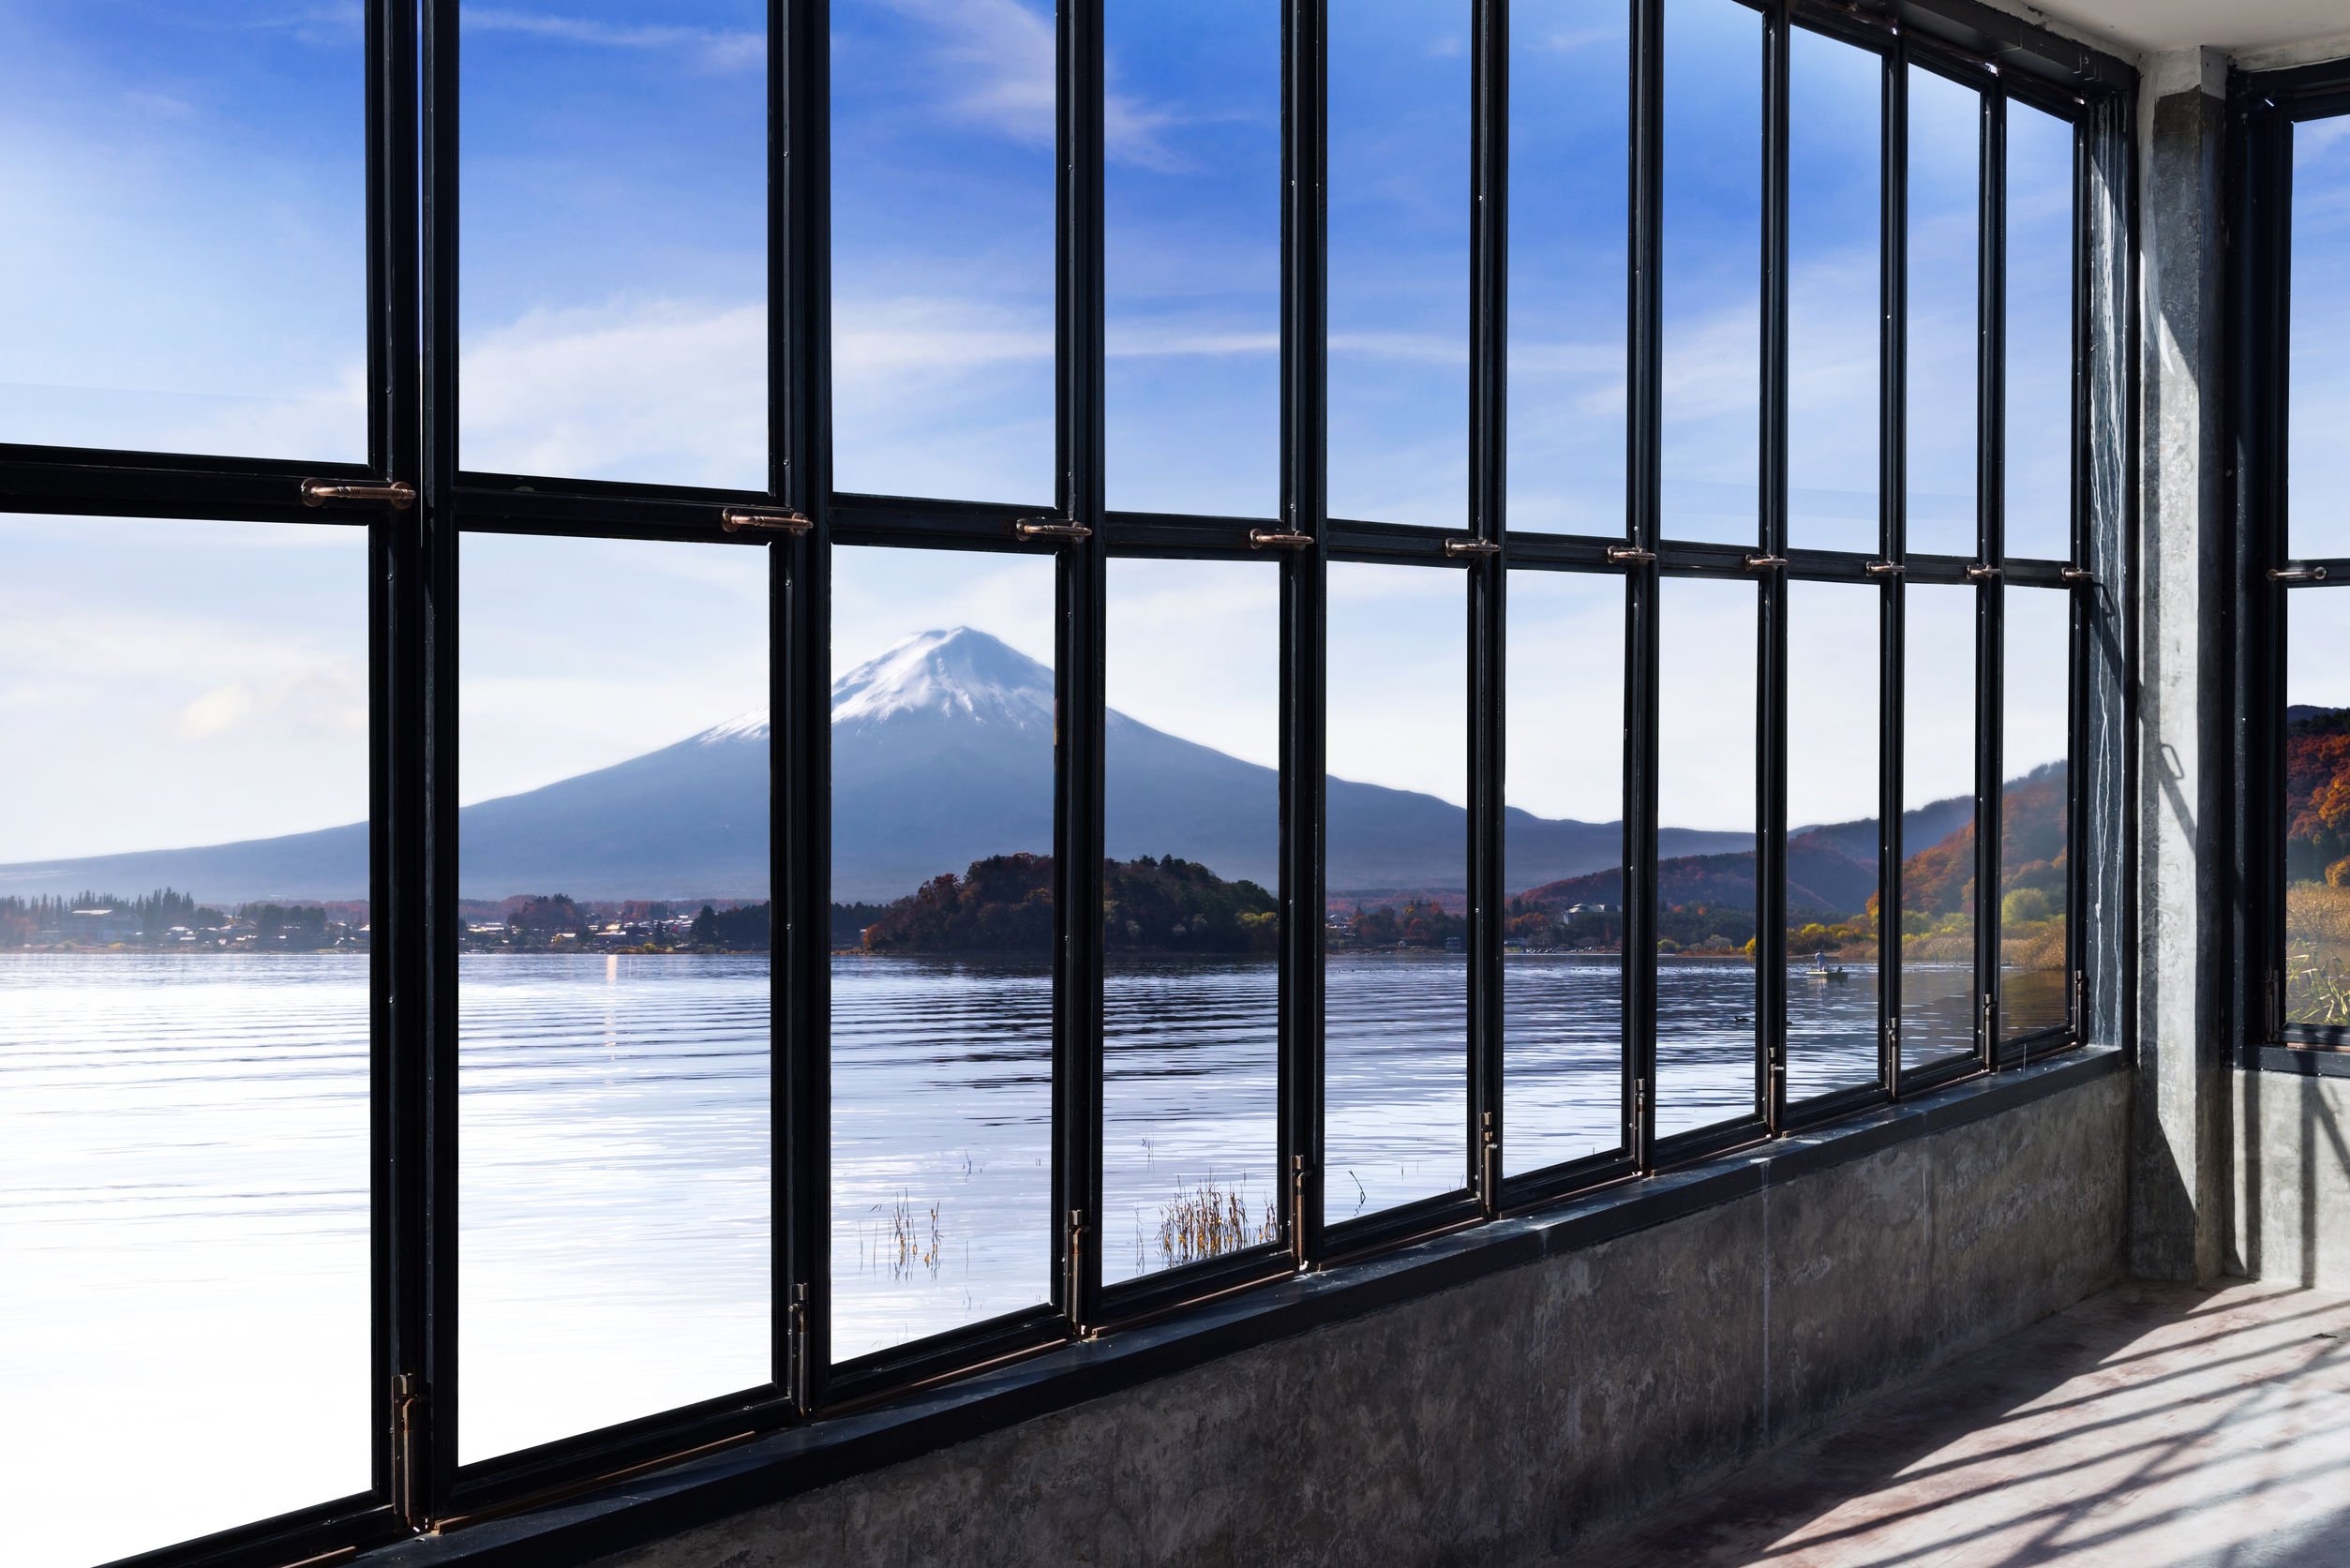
414 247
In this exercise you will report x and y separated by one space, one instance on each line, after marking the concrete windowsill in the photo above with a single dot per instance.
788 1462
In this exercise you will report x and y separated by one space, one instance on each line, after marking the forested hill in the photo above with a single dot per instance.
1824 879
1004 904
2317 793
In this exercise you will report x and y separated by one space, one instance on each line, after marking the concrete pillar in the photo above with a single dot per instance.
2180 1134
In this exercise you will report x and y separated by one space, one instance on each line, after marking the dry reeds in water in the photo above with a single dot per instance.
1208 1221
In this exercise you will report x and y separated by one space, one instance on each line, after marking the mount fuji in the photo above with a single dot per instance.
942 754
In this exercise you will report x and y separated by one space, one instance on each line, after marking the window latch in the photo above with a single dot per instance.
2297 574
738 519
2078 576
1982 572
1766 563
399 495
1477 547
1279 539
1629 555
1881 569
1050 528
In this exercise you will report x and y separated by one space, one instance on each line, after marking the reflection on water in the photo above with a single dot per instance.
182 1171
183 1229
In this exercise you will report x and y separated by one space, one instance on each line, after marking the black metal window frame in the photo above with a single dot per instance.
2263 110
415 500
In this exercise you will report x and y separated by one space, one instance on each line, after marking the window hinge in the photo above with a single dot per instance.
802 1357
1077 1273
1489 1170
2276 1011
1775 1090
410 1413
1991 1030
2080 1004
399 495
1298 1212
1639 1123
738 519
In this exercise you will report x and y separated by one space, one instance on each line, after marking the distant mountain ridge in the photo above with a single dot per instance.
942 755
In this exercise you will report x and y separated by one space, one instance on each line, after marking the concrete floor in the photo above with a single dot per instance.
2150 1427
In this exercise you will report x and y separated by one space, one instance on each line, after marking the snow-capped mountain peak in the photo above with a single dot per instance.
957 672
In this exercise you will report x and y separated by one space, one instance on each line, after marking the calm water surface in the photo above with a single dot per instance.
183 1168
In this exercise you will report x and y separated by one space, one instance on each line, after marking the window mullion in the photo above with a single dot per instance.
1894 511
1771 684
1304 360
1643 486
1084 586
1991 550
431 924
799 769
1487 582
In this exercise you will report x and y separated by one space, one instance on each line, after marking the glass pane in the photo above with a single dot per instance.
613 982
1937 825
2033 864
1705 864
184 1031
2316 828
1832 794
1194 263
1945 215
942 247
1395 979
1712 270
1399 263
613 266
1568 223
1190 1010
1563 848
2039 333
1835 114
942 937
2318 396
187 202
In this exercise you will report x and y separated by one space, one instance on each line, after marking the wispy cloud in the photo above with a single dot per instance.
997 57
668 390
716 50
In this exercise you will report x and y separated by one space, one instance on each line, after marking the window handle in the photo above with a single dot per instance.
737 519
1050 528
1766 563
2078 576
1478 548
2297 574
399 495
1279 539
1629 555
1881 569
1982 572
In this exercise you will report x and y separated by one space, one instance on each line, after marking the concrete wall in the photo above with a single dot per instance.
1497 1422
2290 1218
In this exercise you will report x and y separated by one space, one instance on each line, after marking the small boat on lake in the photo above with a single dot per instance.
1823 971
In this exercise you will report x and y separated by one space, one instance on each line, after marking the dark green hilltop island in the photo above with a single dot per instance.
1004 904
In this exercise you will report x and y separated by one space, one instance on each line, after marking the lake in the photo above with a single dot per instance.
183 1168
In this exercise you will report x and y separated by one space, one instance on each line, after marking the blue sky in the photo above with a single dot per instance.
189 182
2319 460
